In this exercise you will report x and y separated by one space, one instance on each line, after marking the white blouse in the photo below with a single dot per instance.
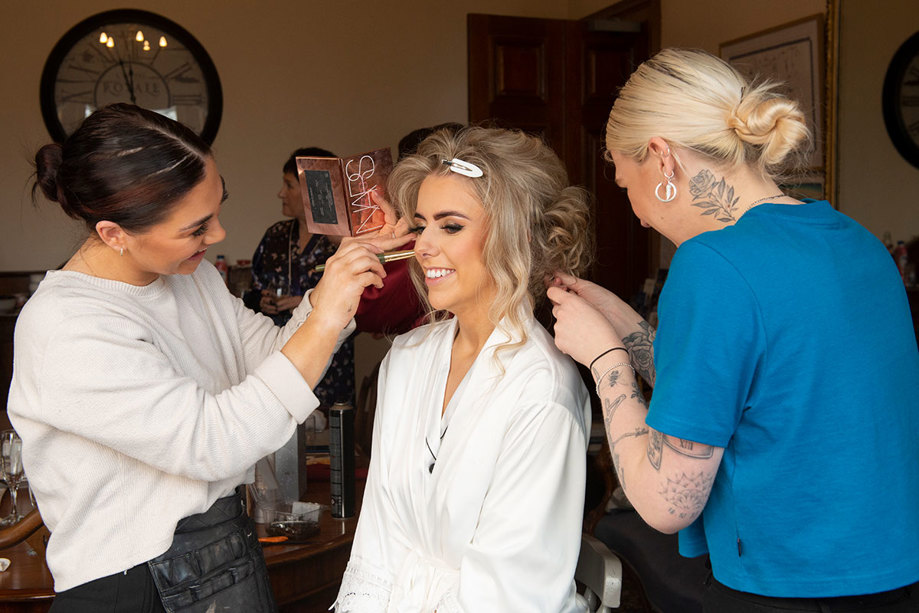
480 510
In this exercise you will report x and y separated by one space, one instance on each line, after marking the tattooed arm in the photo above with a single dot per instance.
667 479
635 333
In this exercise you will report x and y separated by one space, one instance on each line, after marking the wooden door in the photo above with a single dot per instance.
558 79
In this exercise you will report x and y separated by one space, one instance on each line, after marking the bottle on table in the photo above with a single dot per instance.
341 459
222 268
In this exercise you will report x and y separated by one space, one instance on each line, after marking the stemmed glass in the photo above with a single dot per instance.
11 470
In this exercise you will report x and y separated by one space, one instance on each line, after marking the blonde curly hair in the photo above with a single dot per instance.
537 223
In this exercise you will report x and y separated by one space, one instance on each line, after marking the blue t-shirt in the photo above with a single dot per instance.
787 340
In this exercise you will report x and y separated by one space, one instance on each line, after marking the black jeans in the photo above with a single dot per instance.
128 592
719 598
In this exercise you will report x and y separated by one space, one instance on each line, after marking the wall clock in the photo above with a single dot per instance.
901 100
131 56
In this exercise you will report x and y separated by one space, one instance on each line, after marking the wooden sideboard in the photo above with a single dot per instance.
305 577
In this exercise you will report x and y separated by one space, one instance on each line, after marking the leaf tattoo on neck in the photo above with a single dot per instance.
713 196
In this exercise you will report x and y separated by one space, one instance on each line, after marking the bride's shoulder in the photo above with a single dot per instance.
422 337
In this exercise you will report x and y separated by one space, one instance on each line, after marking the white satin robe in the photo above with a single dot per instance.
496 525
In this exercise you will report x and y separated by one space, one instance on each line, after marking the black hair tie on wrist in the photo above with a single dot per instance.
594 361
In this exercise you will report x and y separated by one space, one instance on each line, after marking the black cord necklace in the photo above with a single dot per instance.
431 451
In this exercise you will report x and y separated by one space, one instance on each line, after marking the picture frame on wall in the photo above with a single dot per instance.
811 185
792 54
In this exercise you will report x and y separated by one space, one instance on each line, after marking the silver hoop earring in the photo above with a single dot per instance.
669 189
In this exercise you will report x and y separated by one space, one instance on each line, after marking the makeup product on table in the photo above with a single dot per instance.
341 459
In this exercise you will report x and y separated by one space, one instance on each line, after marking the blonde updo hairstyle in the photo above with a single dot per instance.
699 102
537 224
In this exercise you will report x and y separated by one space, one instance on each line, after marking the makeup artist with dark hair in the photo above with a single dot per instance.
143 391
282 273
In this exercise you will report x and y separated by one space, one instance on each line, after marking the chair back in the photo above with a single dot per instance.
599 576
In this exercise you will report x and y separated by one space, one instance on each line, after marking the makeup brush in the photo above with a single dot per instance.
389 256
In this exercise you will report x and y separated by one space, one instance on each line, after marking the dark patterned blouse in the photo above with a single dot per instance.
279 263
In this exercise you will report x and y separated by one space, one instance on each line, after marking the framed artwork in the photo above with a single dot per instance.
793 55
807 186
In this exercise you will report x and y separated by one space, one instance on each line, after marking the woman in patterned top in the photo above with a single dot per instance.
281 275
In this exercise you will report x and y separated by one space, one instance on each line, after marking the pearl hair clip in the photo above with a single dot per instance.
464 168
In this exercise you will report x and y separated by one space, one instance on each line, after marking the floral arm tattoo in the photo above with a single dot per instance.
641 349
686 494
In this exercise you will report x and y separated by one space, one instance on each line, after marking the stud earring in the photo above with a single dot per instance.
669 189
121 252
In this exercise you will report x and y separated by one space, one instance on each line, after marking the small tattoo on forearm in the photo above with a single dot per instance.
689 448
655 449
609 409
633 434
636 394
687 494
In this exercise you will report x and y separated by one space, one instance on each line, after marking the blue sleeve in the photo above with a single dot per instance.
708 345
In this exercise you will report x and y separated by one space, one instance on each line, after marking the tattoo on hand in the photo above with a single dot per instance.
688 494
714 197
641 349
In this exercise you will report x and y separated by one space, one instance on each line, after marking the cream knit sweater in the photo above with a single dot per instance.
139 406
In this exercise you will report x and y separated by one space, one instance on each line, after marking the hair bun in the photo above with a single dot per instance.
776 124
47 164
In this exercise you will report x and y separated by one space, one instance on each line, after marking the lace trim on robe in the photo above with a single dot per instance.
362 591
449 604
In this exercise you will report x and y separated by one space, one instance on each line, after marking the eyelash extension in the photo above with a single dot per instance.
450 228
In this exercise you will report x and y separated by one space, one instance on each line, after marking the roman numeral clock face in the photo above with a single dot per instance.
130 56
901 100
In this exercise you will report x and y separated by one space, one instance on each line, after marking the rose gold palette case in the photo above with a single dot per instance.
336 192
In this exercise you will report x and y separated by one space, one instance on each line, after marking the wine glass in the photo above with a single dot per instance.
11 470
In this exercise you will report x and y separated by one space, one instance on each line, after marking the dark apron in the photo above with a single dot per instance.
215 564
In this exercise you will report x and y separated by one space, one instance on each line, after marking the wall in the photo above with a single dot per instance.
876 185
349 75
705 24
870 33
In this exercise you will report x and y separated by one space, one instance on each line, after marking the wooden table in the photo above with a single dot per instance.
305 577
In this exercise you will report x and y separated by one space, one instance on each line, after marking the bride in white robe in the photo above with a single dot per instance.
475 493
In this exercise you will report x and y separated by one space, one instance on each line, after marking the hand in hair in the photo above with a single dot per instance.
581 331
598 297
